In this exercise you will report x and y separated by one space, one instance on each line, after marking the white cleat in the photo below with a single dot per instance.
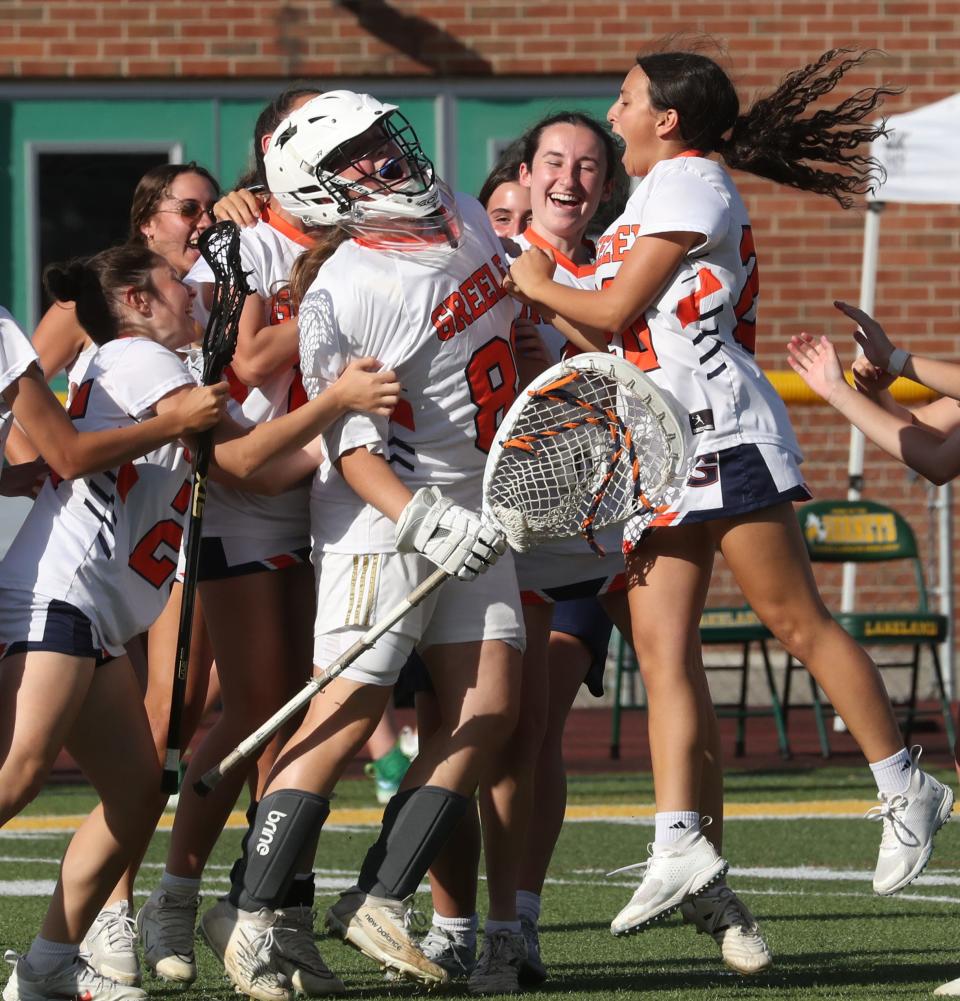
166 924
376 926
720 913
244 942
111 945
76 980
910 820
950 990
674 872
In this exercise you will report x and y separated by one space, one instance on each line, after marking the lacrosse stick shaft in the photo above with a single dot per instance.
170 779
316 684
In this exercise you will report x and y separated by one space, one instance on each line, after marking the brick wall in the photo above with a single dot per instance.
810 250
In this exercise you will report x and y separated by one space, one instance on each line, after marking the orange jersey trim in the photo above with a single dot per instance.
282 226
577 270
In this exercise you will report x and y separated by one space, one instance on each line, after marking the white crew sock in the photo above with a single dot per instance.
45 956
528 906
464 929
892 775
183 886
672 825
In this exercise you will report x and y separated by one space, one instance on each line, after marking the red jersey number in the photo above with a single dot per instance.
492 377
745 332
148 558
637 342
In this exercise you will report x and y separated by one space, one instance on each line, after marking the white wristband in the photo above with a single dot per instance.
898 358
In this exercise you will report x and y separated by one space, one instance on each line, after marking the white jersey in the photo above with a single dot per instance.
16 356
567 561
76 371
267 251
108 543
697 338
446 333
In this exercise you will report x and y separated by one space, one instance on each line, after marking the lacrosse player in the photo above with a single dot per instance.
677 279
417 284
91 567
256 589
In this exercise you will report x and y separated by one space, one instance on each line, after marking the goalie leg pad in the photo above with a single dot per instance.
285 820
421 829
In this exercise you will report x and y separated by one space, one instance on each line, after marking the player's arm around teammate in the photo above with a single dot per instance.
347 159
690 230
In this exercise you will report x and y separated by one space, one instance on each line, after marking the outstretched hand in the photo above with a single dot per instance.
815 360
870 336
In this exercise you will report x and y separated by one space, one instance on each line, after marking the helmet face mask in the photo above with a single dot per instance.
343 157
386 160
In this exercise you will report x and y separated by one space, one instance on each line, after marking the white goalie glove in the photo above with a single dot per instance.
447 534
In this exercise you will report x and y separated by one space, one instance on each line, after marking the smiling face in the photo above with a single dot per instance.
509 209
169 316
181 216
648 134
566 178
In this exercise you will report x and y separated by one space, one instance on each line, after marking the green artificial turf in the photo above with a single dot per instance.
807 881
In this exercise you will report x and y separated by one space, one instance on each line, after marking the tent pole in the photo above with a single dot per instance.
868 288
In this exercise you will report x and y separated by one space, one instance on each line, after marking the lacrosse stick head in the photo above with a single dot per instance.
220 248
591 442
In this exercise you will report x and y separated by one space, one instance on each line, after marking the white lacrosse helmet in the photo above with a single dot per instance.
338 133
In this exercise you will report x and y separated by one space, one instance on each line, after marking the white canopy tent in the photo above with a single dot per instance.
920 156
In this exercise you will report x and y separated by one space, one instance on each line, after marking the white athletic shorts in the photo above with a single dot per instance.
354 591
727 483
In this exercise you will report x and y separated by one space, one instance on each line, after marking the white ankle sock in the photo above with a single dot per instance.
672 825
491 927
892 775
45 956
528 906
181 885
465 929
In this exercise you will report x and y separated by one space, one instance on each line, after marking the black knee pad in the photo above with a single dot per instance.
240 863
378 850
421 829
285 820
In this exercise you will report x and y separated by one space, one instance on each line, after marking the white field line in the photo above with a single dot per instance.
624 813
334 880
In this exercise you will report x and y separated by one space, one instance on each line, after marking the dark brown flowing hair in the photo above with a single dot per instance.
820 152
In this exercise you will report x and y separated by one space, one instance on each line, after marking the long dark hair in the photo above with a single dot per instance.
267 121
153 187
771 140
93 283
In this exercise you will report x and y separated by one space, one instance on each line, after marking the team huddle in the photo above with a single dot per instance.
389 328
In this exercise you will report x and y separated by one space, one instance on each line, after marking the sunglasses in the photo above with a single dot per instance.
191 210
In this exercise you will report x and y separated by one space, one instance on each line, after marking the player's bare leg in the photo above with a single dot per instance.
111 743
766 552
669 574
251 689
38 707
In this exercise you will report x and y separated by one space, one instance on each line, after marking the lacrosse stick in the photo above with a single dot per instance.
591 442
220 247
